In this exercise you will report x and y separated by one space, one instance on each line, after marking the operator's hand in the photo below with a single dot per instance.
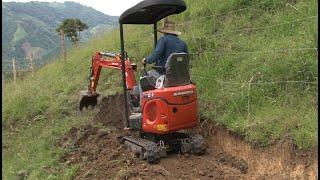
144 61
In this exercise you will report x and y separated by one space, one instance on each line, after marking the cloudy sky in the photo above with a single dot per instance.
110 7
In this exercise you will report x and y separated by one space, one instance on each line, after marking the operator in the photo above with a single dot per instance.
169 43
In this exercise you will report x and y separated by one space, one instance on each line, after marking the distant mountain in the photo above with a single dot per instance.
30 27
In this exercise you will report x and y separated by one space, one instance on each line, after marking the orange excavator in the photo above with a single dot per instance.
166 106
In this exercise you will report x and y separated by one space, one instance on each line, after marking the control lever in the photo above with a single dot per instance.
144 71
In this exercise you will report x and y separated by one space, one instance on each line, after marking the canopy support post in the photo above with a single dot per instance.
155 34
124 83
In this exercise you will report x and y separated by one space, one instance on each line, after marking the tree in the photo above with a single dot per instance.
72 29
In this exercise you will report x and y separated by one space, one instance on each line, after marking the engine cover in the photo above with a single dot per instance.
170 109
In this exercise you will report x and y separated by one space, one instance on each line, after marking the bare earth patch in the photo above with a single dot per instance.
100 156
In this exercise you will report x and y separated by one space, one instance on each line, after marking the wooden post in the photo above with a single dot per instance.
14 72
63 47
31 64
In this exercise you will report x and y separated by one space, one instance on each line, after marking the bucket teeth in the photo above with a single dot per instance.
88 100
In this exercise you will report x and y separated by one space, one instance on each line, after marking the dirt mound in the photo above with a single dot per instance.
111 111
101 157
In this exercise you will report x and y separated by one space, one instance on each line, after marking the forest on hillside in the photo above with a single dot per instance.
29 27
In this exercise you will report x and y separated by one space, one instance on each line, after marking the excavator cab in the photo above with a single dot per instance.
176 70
167 104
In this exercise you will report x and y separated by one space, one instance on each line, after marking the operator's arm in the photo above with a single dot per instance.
158 52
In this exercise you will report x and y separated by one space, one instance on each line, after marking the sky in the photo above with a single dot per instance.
109 7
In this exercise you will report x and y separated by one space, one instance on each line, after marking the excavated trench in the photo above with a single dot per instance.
228 156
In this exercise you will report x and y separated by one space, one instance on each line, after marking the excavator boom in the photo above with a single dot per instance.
105 60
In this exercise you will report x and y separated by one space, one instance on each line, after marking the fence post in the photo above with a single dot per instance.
253 78
63 47
31 64
14 72
249 87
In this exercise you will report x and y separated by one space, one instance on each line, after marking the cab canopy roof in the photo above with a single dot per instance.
151 11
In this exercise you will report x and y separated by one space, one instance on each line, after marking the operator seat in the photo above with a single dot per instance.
176 74
177 70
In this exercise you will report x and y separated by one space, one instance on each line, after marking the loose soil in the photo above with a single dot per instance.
111 112
95 149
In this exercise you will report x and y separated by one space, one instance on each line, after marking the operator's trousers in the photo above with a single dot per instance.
153 73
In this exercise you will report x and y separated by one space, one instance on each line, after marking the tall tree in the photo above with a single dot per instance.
72 29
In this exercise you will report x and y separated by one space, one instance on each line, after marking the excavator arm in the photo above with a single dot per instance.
105 60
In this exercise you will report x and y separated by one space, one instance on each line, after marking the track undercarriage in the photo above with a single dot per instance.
152 147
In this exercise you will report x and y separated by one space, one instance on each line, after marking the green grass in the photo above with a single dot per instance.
231 56
34 150
44 107
19 34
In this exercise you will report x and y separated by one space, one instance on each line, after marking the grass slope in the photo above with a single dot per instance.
226 55
231 54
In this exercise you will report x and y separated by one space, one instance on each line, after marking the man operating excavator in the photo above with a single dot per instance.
168 98
166 45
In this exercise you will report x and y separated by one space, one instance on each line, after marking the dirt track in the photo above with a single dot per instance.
100 156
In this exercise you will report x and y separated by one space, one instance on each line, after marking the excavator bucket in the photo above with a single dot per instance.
88 100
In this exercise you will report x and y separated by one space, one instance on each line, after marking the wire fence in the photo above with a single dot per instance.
257 51
226 13
255 83
252 80
246 85
249 84
248 29
233 52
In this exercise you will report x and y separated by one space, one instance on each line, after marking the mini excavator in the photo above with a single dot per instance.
166 106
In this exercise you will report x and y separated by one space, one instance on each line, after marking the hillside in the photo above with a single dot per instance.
29 27
254 63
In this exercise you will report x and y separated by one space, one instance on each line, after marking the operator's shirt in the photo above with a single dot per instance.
166 45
